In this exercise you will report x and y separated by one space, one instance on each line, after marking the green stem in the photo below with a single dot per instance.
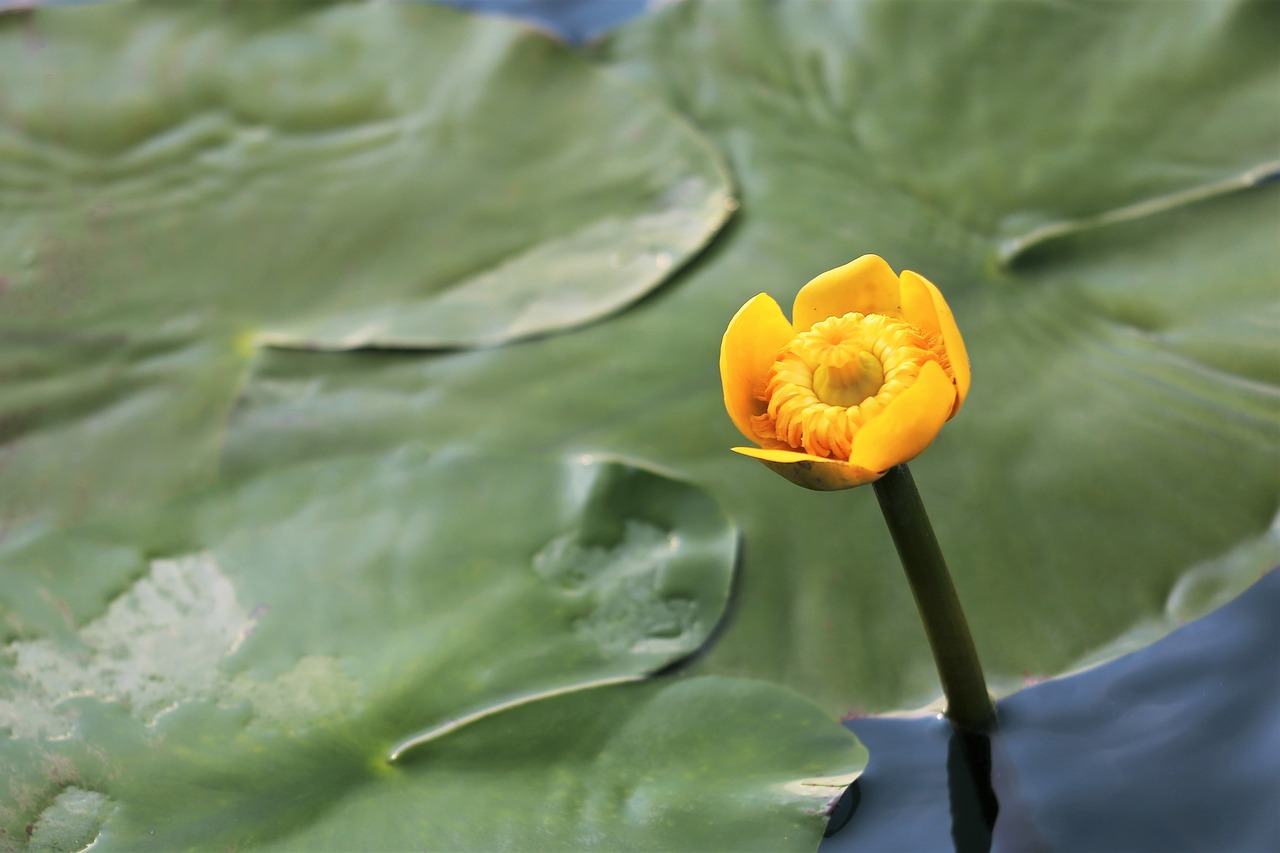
968 702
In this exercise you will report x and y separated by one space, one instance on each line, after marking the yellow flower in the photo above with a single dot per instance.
869 369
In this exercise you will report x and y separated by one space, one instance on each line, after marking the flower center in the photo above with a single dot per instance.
847 377
829 381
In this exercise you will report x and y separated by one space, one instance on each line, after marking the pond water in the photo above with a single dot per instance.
575 21
1173 747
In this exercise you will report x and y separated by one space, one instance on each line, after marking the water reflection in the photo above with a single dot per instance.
1173 747
973 801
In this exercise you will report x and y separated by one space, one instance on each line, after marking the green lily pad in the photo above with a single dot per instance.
404 666
204 179
89 417
1087 183
611 573
1121 426
636 767
629 767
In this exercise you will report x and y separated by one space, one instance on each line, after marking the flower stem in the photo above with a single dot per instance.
968 702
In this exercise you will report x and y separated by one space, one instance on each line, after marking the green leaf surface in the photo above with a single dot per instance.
611 573
1122 424
199 179
641 767
92 417
629 767
339 656
183 185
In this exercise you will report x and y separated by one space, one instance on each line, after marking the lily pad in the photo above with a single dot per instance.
1087 183
407 660
1121 425
322 176
79 405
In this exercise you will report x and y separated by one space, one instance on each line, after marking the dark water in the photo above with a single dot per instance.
1173 747
575 21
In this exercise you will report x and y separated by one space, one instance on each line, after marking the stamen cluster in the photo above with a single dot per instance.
835 351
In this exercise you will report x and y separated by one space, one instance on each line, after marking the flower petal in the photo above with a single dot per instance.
866 285
917 304
749 347
908 424
812 472
956 352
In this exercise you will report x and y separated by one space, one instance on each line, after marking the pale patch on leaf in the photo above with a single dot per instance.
622 585
316 687
157 645
822 786
71 822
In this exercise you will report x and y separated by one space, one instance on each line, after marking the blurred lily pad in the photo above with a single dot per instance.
94 417
363 653
1122 425
322 176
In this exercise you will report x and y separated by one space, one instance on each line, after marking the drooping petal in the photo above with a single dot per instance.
812 472
747 351
866 285
908 424
956 353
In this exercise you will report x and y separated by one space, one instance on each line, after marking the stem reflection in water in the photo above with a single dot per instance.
973 800
1171 747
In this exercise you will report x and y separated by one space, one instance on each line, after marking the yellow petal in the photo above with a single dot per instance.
908 424
917 304
954 343
750 346
812 472
866 285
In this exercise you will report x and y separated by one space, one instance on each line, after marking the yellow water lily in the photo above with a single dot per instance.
862 378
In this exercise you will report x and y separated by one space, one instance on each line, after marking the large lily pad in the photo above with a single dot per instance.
1084 181
376 627
612 572
201 179
1121 427
631 767
78 406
